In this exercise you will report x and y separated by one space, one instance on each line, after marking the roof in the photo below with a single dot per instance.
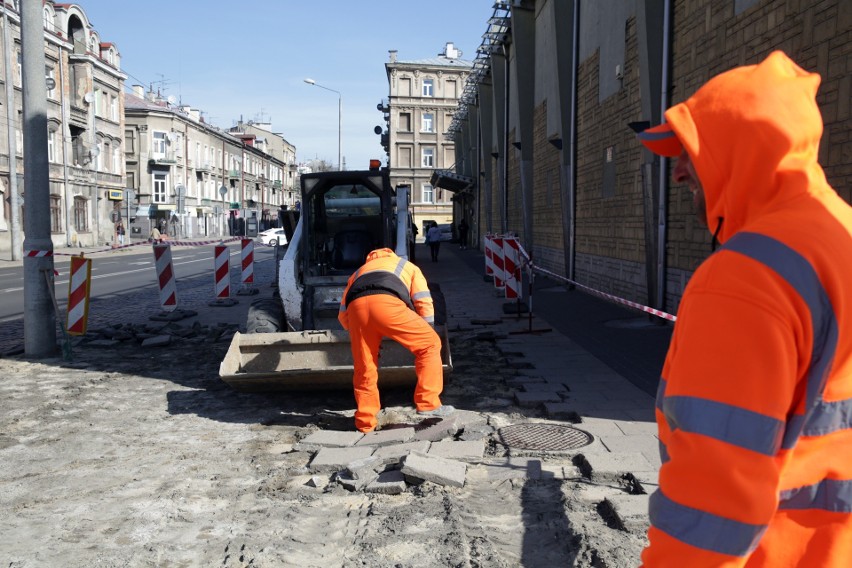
434 62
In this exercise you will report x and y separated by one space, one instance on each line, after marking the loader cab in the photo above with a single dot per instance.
345 215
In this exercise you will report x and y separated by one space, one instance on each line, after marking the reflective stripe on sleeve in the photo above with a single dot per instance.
429 319
724 422
399 266
701 529
801 276
833 495
421 295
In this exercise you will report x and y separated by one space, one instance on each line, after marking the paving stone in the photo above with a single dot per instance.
513 468
157 341
535 399
630 512
352 483
546 388
638 428
648 445
611 466
389 482
437 470
335 459
465 451
562 411
103 343
364 467
395 453
386 437
522 380
468 419
332 439
445 428
477 432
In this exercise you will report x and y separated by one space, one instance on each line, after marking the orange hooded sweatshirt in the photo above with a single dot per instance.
755 403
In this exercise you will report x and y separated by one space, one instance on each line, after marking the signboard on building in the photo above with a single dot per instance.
115 195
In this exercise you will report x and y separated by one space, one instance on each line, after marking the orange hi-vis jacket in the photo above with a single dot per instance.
755 403
386 273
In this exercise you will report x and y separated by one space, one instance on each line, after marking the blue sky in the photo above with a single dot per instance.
247 58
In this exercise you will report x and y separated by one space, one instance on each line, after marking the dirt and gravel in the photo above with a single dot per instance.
131 457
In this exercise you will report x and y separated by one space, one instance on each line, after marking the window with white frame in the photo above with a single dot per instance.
428 158
19 62
116 159
159 192
428 88
113 107
19 142
48 19
51 146
107 157
98 105
99 156
427 123
158 147
428 193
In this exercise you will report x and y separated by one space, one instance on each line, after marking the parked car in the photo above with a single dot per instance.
446 232
271 237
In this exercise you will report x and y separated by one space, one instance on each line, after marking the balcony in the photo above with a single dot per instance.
276 184
203 167
162 159
235 174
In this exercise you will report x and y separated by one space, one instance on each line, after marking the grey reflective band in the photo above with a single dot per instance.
801 276
730 424
421 295
429 319
833 495
654 136
342 307
661 393
703 530
399 266
664 452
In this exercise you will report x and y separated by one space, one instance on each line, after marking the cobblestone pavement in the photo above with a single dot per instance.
138 305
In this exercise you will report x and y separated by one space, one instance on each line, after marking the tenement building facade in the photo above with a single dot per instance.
545 127
424 94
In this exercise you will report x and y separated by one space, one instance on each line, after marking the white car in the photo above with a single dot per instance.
271 237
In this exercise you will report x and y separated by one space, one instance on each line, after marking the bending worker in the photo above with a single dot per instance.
388 297
755 403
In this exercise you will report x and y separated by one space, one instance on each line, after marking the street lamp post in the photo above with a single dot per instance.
339 120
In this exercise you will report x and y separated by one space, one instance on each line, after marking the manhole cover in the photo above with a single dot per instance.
544 437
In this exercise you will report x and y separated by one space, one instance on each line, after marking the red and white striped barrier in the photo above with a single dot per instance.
165 277
37 253
489 256
222 272
247 257
512 267
79 288
499 261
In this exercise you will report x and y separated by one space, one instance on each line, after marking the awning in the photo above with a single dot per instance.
450 180
166 206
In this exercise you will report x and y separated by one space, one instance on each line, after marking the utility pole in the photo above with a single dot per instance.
39 319
11 120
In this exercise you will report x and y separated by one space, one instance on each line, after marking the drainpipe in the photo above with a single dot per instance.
504 222
664 162
63 100
11 119
572 145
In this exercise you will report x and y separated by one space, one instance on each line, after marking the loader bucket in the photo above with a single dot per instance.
312 360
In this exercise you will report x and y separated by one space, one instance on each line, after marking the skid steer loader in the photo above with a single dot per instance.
295 341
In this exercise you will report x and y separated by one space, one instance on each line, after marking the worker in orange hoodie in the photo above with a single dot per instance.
754 406
389 297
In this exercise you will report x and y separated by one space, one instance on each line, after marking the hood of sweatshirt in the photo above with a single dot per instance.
753 135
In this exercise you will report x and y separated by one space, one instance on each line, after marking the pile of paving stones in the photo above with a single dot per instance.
157 334
388 460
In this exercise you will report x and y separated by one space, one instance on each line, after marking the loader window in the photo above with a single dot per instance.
353 200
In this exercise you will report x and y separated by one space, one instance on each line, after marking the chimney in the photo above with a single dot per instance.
139 91
392 53
450 51
194 114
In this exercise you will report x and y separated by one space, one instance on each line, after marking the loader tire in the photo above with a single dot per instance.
265 315
439 304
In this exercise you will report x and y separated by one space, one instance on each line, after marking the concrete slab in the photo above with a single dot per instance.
630 512
352 483
329 460
610 466
467 419
648 445
389 483
478 432
386 437
536 399
546 388
513 468
638 428
464 451
395 453
562 411
437 470
331 439
440 430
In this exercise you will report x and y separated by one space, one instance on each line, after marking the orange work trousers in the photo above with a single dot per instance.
370 319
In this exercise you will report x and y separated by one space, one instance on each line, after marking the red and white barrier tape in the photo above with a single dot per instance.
41 253
649 310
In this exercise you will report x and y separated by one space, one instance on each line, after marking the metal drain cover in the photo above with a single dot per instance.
544 437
